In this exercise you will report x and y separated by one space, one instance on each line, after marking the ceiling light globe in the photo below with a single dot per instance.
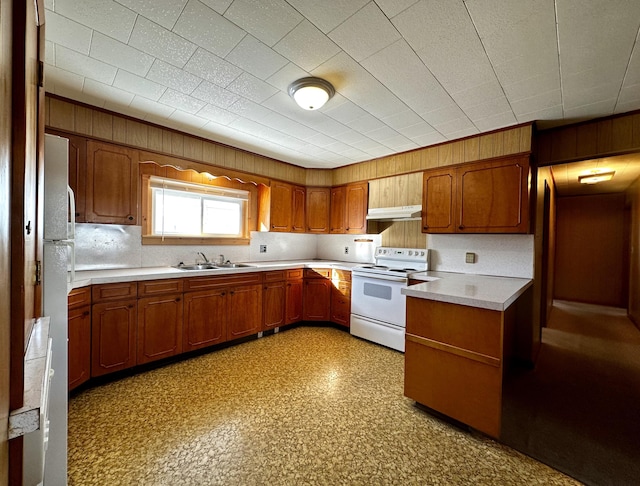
311 93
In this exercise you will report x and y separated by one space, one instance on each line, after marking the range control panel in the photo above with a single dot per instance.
393 256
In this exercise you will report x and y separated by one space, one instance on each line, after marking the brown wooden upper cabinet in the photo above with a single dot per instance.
349 208
112 184
482 197
287 208
318 209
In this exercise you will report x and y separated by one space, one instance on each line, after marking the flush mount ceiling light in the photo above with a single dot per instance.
596 175
311 93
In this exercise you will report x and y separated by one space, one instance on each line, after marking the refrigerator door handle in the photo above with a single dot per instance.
72 248
72 214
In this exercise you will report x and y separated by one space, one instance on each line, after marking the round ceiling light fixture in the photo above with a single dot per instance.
311 93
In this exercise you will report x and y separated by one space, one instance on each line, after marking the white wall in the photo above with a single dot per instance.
500 255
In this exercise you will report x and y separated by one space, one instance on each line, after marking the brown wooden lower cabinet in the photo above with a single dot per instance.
244 311
159 327
341 303
317 299
455 359
204 319
113 336
293 300
79 329
274 300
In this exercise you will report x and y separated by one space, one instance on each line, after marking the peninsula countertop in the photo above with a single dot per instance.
482 291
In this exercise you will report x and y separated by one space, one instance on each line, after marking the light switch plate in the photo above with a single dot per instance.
470 257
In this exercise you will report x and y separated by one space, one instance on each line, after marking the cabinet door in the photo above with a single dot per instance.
112 184
439 192
79 346
341 303
113 336
293 301
159 327
356 208
318 204
281 200
337 210
244 311
298 209
317 298
493 197
273 302
204 319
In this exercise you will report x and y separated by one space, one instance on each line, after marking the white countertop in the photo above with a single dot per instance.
486 292
89 277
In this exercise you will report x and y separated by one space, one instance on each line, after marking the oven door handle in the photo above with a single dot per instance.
379 276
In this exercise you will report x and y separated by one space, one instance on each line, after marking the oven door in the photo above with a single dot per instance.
378 297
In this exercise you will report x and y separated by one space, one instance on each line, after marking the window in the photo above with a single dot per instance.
188 210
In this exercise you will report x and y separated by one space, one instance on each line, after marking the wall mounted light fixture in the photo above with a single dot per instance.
596 175
311 93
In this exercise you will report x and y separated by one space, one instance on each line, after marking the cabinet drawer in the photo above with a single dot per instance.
157 287
317 273
79 297
114 291
213 282
294 274
341 275
274 276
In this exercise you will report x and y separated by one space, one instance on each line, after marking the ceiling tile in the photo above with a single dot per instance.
285 76
427 139
68 33
181 101
151 107
208 29
214 94
391 8
137 85
327 15
217 114
55 77
256 58
120 55
187 119
162 12
50 53
344 112
159 42
84 66
365 33
537 102
250 110
252 88
172 77
418 130
100 90
307 46
403 119
105 16
487 108
212 68
495 121
455 125
266 20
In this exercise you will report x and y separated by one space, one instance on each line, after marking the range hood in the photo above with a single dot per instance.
398 213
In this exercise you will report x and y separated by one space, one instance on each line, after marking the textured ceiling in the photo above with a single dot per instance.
407 73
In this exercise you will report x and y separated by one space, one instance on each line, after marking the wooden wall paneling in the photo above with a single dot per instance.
415 237
526 134
209 152
386 192
414 189
491 145
428 158
635 130
83 120
563 145
543 147
119 130
177 144
605 136
622 133
166 141
47 111
633 196
586 141
445 155
154 138
137 134
384 167
193 148
511 141
101 125
471 149
62 115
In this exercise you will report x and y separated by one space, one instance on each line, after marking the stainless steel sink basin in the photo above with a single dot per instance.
233 265
196 266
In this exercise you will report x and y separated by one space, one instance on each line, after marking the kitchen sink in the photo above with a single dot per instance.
233 265
197 266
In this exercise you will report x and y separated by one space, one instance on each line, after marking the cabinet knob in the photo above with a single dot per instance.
461 227
130 218
130 306
178 299
223 293
85 313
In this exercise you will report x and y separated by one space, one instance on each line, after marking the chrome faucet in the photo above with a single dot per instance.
204 257
220 259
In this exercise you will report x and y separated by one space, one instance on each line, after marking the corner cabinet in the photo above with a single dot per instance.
482 197
318 209
111 193
287 208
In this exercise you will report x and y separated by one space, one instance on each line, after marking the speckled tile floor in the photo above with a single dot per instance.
308 406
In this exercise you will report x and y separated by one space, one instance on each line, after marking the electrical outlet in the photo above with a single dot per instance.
470 257
346 250
263 248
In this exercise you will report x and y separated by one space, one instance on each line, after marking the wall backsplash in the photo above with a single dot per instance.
500 255
107 246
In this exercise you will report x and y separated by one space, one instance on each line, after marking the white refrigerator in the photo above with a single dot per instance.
57 274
